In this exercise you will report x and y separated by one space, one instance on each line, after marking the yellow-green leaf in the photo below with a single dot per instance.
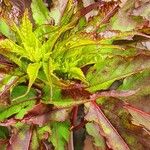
32 72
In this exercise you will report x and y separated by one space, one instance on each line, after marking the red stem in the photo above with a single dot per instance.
74 115
82 124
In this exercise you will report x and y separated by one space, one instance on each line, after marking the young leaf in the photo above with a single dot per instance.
113 139
77 73
11 46
60 135
4 28
27 39
11 56
69 10
32 72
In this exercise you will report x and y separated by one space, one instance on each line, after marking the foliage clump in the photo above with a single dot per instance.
74 76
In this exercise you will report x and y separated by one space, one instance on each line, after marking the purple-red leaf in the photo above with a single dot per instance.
21 139
113 139
139 117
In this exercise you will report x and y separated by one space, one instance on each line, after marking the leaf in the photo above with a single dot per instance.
43 130
35 142
122 24
113 139
15 109
58 115
106 71
88 144
4 28
135 14
41 114
68 13
23 139
77 73
135 81
20 90
45 30
48 70
32 71
141 82
142 10
41 14
3 144
60 135
12 57
93 130
50 43
7 82
3 132
67 103
27 39
11 46
139 117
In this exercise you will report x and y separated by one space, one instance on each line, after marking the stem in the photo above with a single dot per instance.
79 126
70 143
74 115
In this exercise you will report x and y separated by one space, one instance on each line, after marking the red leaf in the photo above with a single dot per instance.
114 93
113 139
39 109
43 113
87 9
88 143
139 117
21 140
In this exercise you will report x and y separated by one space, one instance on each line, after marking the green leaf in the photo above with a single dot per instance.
44 129
28 40
68 13
11 46
77 73
11 56
48 70
20 90
32 72
45 30
60 135
4 28
34 143
15 109
93 130
40 12
63 103
106 71
50 43
135 81
3 132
